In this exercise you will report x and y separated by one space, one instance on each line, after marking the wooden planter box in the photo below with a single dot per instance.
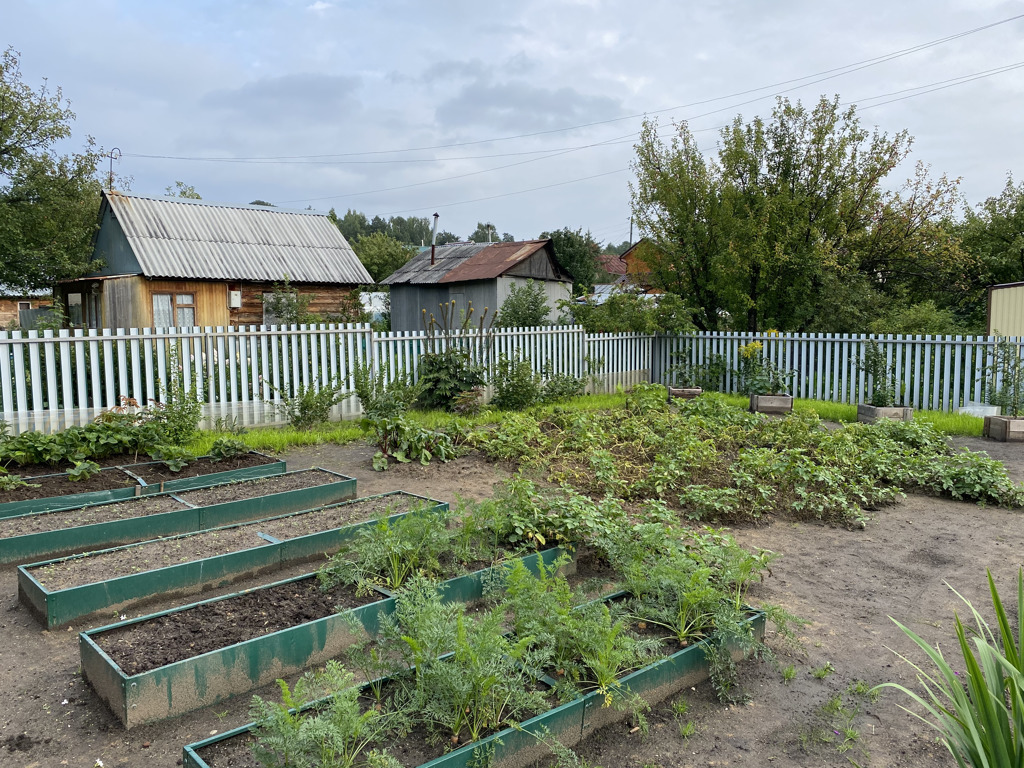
771 403
869 414
1005 429
684 393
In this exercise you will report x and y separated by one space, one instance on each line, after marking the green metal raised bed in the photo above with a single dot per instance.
59 607
203 680
569 723
48 544
137 487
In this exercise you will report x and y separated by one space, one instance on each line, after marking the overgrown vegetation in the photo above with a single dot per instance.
715 462
461 675
311 404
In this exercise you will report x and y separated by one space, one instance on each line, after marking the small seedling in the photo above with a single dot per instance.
789 674
679 707
687 729
823 671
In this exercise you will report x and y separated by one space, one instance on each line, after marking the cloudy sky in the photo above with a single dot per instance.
522 113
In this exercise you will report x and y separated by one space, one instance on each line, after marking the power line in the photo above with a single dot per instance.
824 75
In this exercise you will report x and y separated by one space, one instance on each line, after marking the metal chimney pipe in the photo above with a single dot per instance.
433 240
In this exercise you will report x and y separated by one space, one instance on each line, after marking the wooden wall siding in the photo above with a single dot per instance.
327 300
122 302
538 267
211 300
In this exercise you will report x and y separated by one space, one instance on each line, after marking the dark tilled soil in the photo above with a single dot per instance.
160 553
151 505
71 518
207 627
156 473
59 485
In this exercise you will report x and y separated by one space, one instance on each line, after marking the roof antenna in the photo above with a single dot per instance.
110 175
433 239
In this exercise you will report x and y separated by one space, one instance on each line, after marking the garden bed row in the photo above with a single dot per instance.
63 590
32 536
150 668
118 483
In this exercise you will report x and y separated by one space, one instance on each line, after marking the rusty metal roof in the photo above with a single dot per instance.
612 263
189 239
459 262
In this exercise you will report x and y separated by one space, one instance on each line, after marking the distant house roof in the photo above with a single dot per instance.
190 239
612 263
10 291
460 262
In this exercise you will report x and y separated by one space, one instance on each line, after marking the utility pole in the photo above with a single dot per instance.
110 175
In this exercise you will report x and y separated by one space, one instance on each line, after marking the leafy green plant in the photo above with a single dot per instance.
172 457
388 552
524 307
559 387
760 376
820 673
226 448
1006 377
516 386
13 482
403 440
380 397
83 470
789 674
333 732
881 375
452 362
979 712
709 374
311 404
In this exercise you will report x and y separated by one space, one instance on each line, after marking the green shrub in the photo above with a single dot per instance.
445 376
311 405
226 448
516 386
403 440
177 417
525 307
380 397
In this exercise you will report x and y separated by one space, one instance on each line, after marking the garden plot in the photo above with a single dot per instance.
163 665
36 535
63 590
129 478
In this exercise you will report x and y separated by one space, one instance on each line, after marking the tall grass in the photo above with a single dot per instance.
979 714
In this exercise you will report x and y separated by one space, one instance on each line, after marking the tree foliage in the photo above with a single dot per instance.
48 201
576 252
184 191
486 232
994 235
525 307
792 221
382 254
415 230
628 311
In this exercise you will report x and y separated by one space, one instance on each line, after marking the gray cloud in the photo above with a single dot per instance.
295 98
522 107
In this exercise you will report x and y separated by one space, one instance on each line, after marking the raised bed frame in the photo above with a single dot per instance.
138 487
569 723
110 533
206 679
59 607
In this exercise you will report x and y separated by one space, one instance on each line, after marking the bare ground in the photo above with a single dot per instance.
845 583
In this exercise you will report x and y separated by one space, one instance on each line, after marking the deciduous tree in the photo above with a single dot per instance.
791 221
48 201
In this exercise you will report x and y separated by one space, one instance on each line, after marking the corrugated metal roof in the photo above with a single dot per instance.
456 262
190 239
612 263
11 291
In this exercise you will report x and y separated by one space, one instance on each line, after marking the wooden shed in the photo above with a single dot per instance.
175 262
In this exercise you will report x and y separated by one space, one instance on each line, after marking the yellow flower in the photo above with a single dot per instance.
751 350
772 332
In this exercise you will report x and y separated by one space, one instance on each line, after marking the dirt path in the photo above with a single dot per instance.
846 583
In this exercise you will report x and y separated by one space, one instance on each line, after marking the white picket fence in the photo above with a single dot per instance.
932 372
49 380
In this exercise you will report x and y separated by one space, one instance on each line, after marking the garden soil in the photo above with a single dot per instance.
845 583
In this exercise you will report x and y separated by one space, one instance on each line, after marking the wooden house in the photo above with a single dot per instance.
481 273
14 301
174 262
